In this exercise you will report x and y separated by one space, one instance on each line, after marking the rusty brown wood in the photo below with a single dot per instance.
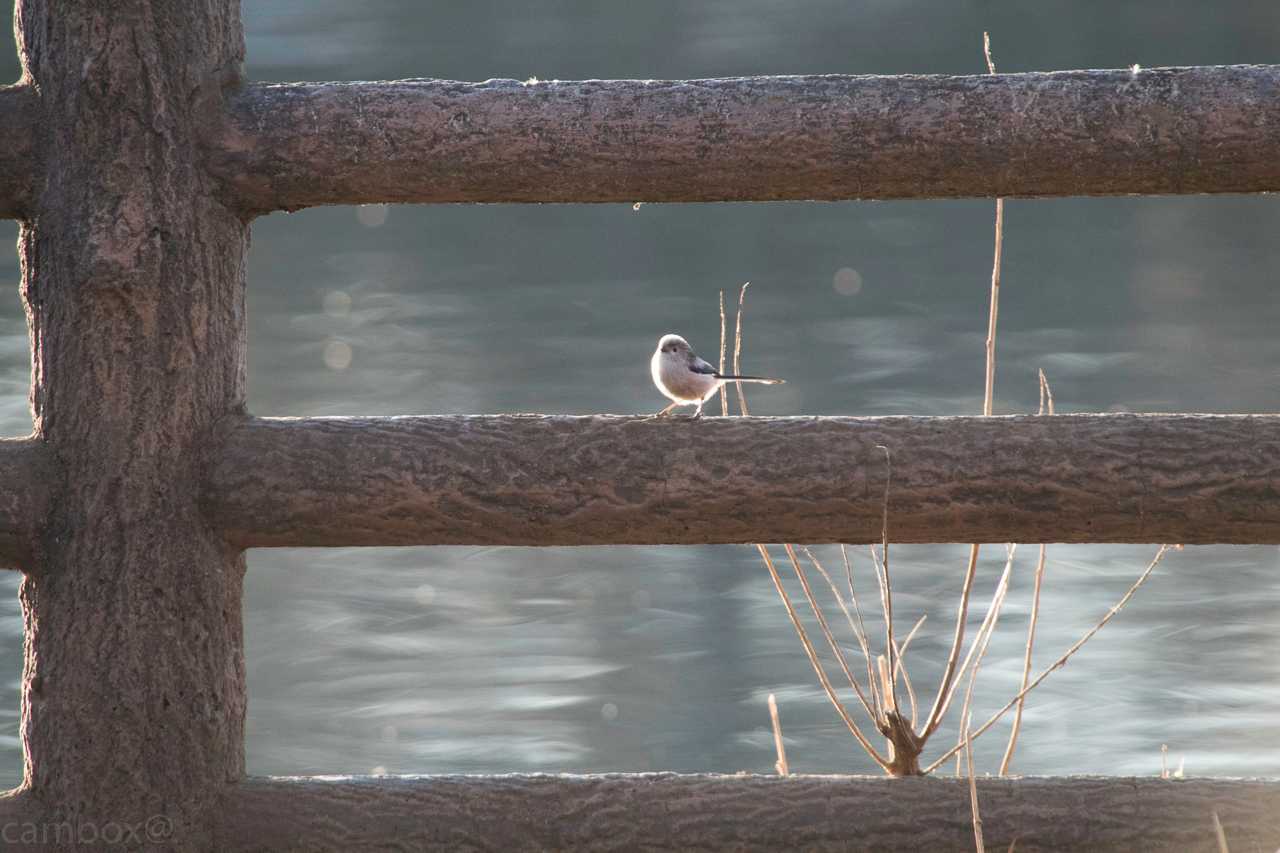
559 480
1163 130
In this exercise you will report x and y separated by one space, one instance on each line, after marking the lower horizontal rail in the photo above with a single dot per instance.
558 480
666 811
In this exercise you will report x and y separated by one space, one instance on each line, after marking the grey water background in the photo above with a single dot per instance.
510 659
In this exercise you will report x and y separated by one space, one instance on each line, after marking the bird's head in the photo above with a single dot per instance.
673 345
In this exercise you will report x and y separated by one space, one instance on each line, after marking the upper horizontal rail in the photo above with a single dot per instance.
558 480
1150 131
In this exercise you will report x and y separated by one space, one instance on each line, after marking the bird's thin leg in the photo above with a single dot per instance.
667 409
698 412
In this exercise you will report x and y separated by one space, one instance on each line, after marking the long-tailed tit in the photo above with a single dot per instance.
687 380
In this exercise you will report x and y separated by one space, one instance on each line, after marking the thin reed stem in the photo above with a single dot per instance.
886 588
817 665
957 643
902 670
975 813
989 393
859 631
1046 398
737 351
1060 662
1026 663
985 633
724 395
826 630
781 764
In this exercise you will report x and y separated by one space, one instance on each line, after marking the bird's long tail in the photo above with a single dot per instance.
762 380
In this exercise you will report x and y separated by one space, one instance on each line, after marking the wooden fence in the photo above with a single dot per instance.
135 156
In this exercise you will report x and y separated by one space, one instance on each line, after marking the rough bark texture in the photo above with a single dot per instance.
25 474
133 280
556 480
766 813
19 156
130 505
1167 130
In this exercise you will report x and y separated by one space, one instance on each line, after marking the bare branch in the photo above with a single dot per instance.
818 669
982 642
826 630
1060 662
737 351
1164 130
559 480
859 630
723 393
947 684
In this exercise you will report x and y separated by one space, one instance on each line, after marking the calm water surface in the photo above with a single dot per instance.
494 659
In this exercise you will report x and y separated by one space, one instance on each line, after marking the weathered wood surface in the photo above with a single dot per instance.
666 811
559 480
20 160
133 281
1162 130
663 811
26 472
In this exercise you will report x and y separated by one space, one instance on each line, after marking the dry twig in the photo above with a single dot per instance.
724 395
817 664
826 630
781 764
737 351
1045 394
1060 662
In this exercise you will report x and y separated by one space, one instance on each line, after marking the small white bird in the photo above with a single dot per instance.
687 380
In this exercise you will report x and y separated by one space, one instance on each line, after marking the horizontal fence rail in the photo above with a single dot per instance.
560 480
1165 130
664 811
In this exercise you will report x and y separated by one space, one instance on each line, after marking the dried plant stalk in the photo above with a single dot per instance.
983 640
817 664
1060 662
989 393
1221 836
781 764
724 395
826 630
1026 663
737 351
953 657
976 815
859 630
886 588
1046 395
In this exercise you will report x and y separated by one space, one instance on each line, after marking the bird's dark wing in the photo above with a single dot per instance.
697 365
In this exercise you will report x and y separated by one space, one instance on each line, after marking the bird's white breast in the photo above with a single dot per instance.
677 382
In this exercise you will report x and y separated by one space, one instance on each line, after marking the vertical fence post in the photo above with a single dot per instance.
133 281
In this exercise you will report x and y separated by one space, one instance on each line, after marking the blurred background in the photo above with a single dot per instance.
414 660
